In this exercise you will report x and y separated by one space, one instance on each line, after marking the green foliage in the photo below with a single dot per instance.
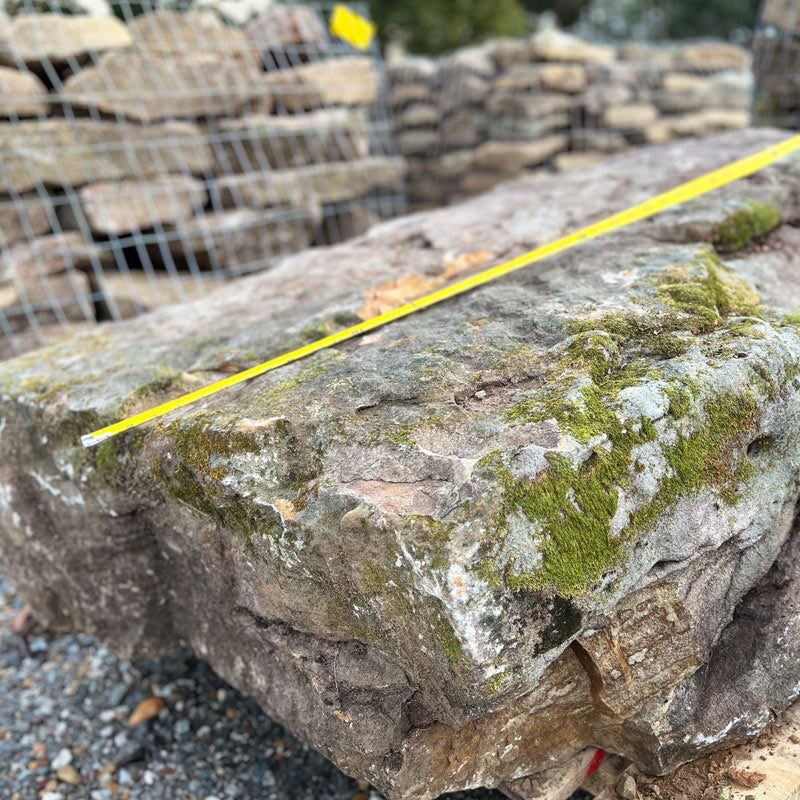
436 26
670 19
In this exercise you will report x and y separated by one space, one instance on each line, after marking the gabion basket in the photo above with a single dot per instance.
149 153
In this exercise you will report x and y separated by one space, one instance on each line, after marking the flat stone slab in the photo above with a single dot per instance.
150 86
120 207
258 141
61 152
333 182
552 514
243 239
22 94
346 81
56 39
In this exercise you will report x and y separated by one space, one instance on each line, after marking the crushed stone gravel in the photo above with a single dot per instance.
65 706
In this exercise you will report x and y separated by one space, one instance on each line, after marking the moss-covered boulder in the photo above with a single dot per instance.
468 545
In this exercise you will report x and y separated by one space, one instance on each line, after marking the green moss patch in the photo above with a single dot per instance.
745 223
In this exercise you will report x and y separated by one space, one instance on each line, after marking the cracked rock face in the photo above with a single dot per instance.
553 513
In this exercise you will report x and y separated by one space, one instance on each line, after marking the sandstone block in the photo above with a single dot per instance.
556 45
523 129
569 78
599 140
57 38
509 51
701 123
464 128
455 164
174 33
597 98
568 162
121 207
511 157
523 104
461 89
347 81
476 59
243 240
21 218
418 142
682 92
22 94
61 152
152 86
410 69
258 141
404 93
136 292
713 56
70 293
334 182
782 14
417 115
282 25
48 255
630 116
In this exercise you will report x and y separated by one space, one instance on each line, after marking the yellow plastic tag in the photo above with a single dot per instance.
352 27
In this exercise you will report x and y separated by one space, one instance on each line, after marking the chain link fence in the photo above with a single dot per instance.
149 153
776 64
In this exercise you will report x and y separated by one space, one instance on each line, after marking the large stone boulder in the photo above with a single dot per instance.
552 513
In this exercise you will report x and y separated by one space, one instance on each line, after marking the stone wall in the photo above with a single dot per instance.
138 159
483 114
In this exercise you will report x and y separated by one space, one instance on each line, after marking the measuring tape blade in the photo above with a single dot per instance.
680 194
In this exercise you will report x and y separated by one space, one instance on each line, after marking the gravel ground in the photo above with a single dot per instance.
65 702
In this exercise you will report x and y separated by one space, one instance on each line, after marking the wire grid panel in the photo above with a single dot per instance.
148 154
776 64
555 101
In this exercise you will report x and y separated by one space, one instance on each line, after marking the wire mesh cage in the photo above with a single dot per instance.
150 152
555 101
776 64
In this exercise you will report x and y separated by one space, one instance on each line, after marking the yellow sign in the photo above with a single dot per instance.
648 208
352 27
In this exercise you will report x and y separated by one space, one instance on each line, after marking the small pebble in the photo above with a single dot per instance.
63 758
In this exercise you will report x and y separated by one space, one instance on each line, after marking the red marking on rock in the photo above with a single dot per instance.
597 760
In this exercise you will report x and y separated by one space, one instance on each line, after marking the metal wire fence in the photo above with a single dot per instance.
776 63
149 153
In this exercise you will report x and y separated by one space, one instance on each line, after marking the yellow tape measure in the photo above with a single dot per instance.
680 194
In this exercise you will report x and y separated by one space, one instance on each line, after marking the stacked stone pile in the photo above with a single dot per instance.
484 114
135 157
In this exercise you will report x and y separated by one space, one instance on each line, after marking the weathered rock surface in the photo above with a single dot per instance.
259 141
284 25
350 81
57 38
22 217
244 239
333 182
22 94
153 86
555 513
173 33
120 207
60 152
